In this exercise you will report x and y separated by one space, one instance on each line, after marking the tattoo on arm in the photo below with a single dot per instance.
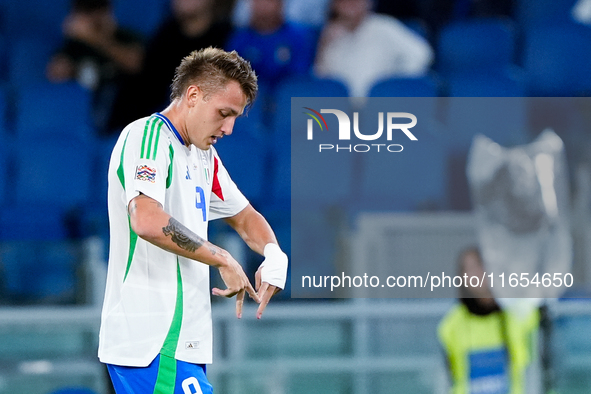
182 236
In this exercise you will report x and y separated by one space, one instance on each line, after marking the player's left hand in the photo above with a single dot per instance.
265 292
271 275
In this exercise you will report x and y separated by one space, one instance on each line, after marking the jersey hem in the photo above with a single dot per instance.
143 362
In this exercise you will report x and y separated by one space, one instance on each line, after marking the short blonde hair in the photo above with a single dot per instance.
211 69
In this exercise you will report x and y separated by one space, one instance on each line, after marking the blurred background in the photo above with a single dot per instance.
74 73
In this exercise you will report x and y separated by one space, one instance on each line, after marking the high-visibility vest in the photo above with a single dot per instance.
488 354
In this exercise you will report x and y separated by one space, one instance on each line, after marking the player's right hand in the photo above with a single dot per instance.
237 284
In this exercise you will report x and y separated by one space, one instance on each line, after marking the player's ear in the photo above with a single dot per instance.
193 94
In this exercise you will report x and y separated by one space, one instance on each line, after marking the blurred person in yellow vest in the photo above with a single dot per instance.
488 349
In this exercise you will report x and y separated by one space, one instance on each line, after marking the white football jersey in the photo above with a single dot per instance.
156 301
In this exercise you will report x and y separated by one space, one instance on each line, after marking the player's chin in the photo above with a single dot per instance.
206 145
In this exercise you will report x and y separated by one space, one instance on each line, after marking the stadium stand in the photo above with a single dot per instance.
557 60
247 165
53 170
536 13
154 12
427 86
50 162
44 109
486 45
28 57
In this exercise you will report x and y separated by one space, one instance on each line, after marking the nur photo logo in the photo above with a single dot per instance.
393 124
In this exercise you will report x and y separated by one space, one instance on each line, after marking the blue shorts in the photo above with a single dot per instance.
164 375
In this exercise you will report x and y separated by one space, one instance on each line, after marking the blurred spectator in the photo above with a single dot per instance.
482 8
581 12
193 25
435 13
488 349
97 53
311 13
360 47
224 8
275 48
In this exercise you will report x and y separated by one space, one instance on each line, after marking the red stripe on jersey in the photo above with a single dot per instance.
216 188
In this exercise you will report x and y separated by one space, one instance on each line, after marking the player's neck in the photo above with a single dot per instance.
174 113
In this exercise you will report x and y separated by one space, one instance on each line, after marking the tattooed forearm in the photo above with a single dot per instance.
182 236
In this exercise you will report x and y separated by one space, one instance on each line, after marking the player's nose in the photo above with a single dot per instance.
228 125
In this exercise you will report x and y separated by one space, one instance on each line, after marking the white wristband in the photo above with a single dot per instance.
274 267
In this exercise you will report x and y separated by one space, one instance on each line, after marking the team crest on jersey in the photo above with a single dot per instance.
206 169
145 173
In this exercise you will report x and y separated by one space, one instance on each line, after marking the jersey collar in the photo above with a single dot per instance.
170 126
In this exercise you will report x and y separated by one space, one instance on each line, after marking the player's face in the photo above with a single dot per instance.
212 118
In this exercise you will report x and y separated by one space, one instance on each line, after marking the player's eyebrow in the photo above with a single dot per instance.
233 112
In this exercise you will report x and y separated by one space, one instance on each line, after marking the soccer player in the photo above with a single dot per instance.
166 182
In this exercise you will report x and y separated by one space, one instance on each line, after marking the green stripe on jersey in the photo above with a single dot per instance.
120 171
157 138
150 140
151 137
170 166
165 381
172 338
146 128
132 243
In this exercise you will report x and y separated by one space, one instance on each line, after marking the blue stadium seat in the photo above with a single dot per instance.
557 60
40 271
6 132
339 178
4 180
22 222
101 158
51 187
502 119
301 86
314 237
6 153
503 83
27 61
543 13
37 18
3 57
3 112
316 179
146 21
476 44
385 177
53 109
427 86
258 111
410 180
245 156
54 170
96 221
